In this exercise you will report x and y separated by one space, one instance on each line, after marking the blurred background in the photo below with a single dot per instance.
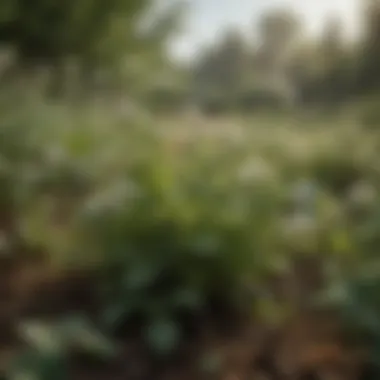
215 56
189 189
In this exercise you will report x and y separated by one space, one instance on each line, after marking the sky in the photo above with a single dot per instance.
206 18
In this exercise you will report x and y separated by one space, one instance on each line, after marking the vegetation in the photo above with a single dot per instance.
174 221
150 230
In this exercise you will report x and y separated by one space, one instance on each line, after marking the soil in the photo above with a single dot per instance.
309 346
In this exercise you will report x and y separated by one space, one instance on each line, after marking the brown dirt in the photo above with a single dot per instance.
309 346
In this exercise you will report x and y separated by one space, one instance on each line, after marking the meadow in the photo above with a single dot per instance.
167 233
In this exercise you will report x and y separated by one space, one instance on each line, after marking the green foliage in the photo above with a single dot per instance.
166 99
354 295
49 346
83 46
168 246
176 218
52 30
336 172
371 115
368 61
34 365
260 99
163 336
353 284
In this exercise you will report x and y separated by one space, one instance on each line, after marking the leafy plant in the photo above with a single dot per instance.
168 247
49 345
337 172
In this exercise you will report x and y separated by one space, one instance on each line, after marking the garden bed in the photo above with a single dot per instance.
308 345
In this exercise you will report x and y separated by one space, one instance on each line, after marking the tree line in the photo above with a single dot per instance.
119 46
284 67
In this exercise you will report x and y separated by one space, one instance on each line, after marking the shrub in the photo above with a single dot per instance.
172 238
178 230
354 295
260 99
336 171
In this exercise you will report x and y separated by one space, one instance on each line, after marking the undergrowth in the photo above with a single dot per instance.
173 225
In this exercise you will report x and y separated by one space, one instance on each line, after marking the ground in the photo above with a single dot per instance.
308 345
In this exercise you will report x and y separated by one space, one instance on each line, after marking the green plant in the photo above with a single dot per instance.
336 171
354 295
49 346
354 284
176 234
173 226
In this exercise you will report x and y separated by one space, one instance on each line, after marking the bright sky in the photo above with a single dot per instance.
207 17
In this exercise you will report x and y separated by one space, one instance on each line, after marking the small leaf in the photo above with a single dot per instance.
81 333
43 337
205 245
163 336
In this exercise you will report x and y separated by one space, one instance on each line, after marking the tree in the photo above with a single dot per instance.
49 30
369 55
279 30
96 34
222 69
304 71
335 76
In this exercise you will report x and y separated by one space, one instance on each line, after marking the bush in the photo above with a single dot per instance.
170 99
261 100
337 172
173 238
176 232
354 295
216 104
